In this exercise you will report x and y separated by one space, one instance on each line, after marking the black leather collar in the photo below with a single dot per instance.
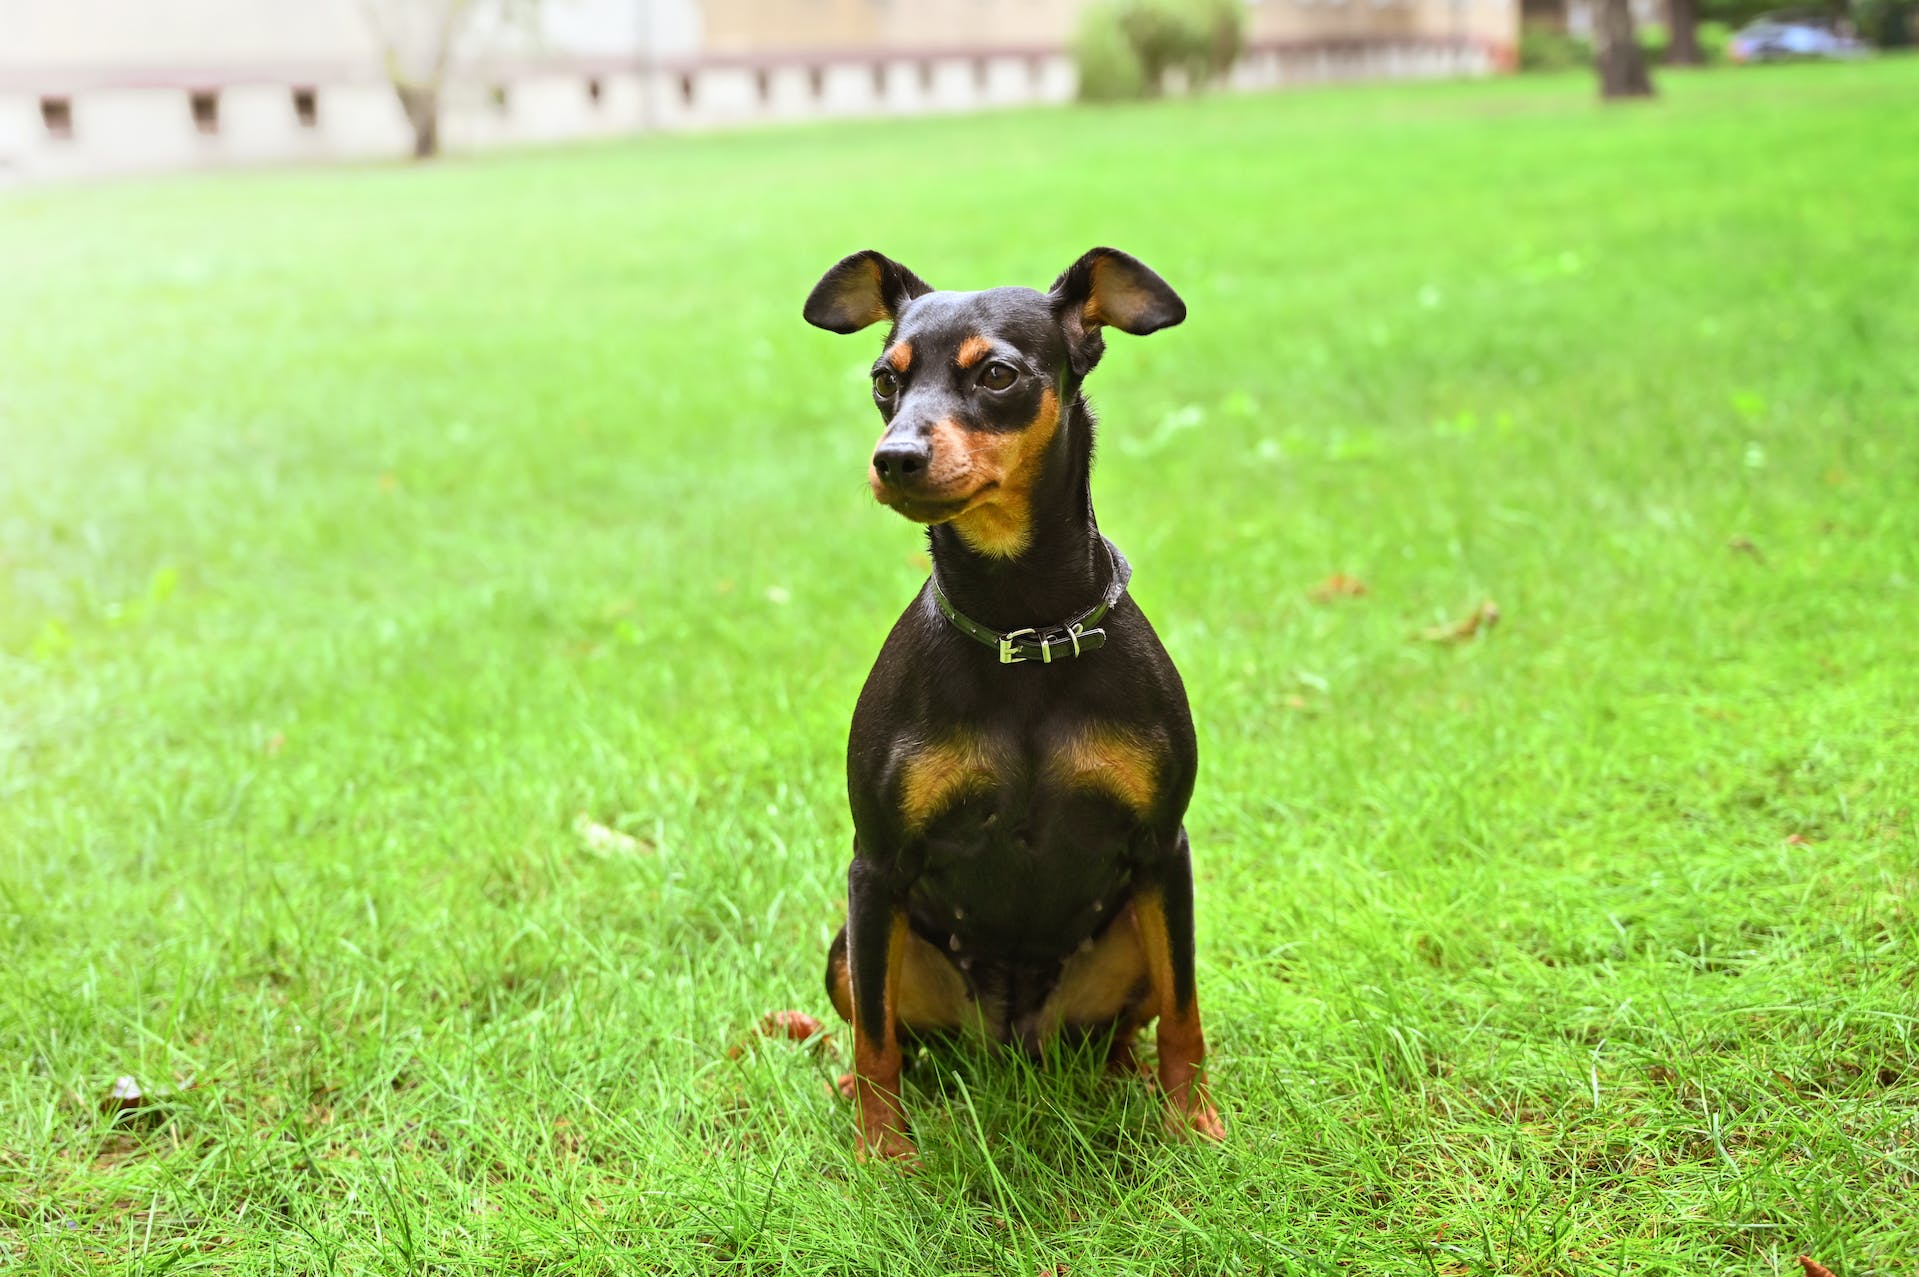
1068 638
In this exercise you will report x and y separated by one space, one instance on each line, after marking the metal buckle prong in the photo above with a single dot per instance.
1006 656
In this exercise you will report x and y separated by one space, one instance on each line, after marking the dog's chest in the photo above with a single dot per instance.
1026 845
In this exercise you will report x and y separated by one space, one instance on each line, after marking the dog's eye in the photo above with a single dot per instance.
998 376
885 384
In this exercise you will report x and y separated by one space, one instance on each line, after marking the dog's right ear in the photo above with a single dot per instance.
863 289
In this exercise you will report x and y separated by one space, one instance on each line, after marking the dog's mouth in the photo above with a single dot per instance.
933 509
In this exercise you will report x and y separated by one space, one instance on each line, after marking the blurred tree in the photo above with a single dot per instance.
1886 23
419 40
1682 21
1109 70
1126 48
1621 63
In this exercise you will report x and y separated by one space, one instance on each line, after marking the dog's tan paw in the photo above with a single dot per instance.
890 1147
1201 1119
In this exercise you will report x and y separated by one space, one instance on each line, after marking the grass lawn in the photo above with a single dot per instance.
363 532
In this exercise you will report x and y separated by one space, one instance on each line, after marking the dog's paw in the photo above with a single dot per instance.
1201 1119
845 1086
890 1147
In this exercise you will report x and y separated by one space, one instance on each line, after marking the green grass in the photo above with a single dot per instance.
360 530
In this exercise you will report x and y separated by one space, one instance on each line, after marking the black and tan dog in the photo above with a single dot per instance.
1022 754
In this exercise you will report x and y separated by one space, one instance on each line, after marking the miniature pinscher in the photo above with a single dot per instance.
1022 754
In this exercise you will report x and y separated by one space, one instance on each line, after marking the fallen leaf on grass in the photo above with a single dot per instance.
1813 1267
1483 617
792 1026
126 1094
1798 840
1744 545
604 840
127 1102
1337 586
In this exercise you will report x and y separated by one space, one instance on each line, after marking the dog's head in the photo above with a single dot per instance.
971 385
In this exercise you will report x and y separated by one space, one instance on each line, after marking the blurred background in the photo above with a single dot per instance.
98 86
90 86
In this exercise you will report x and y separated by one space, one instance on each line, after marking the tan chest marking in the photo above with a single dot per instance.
1109 761
940 775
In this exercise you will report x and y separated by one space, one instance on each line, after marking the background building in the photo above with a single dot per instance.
95 86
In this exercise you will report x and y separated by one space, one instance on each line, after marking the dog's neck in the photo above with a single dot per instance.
1062 570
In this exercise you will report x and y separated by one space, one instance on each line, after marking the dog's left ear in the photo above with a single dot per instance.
860 290
1109 288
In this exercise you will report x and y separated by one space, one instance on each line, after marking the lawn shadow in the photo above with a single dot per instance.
1049 1113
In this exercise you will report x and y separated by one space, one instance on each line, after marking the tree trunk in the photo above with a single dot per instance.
1622 67
1682 16
422 105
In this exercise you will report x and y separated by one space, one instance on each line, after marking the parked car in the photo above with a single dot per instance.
1772 37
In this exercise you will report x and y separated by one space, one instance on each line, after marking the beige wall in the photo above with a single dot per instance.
235 38
782 26
274 35
1278 20
788 26
179 32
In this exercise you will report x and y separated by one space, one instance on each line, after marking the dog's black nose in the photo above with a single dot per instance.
899 462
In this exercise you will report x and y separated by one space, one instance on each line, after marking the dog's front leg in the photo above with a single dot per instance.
1163 912
876 953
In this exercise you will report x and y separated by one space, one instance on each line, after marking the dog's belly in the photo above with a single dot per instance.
999 886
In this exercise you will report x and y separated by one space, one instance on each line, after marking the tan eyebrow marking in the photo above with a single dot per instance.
972 350
901 356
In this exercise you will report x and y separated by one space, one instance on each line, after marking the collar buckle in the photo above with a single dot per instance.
1074 635
1019 647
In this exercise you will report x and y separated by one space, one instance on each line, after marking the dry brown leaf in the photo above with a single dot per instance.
792 1026
1337 586
1744 545
1798 840
1813 1267
1483 617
